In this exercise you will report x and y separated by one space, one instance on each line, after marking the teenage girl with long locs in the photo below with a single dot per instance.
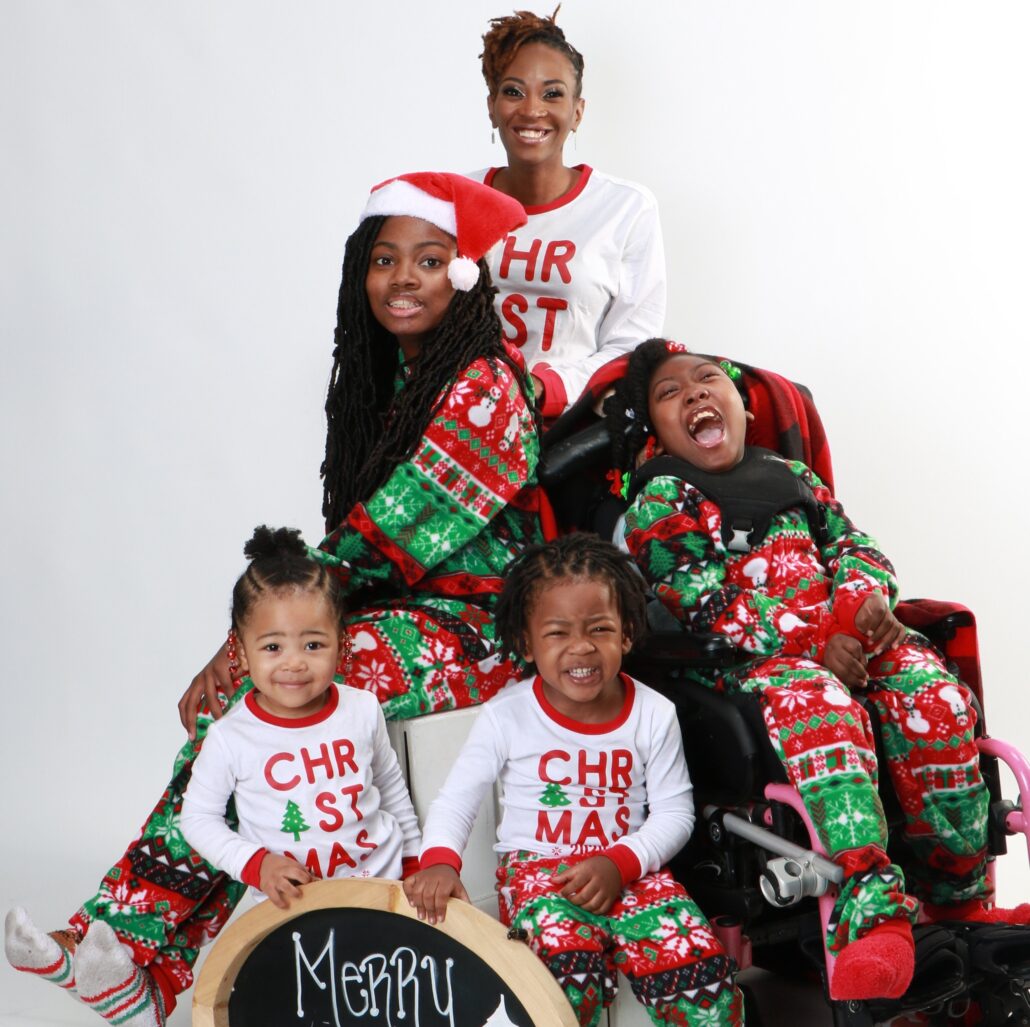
430 491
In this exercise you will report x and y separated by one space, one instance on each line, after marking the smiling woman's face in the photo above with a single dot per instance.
696 412
535 106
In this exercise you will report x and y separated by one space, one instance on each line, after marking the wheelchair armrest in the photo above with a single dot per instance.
680 648
585 449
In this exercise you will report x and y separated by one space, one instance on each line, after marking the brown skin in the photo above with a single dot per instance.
845 659
429 890
687 384
573 624
536 94
213 679
407 285
593 885
682 387
281 878
877 621
409 262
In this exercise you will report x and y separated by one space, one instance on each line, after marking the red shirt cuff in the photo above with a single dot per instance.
554 399
252 871
626 862
440 854
409 866
846 605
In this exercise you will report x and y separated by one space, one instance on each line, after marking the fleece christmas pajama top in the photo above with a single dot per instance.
422 561
571 791
326 790
779 603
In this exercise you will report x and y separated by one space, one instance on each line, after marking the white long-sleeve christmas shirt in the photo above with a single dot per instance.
620 788
582 282
326 790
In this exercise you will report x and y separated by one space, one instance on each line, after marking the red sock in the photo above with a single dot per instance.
880 964
977 911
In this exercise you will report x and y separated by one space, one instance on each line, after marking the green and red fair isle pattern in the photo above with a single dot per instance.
423 561
654 934
161 898
776 603
425 557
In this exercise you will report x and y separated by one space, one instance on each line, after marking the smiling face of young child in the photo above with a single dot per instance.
291 644
575 636
697 413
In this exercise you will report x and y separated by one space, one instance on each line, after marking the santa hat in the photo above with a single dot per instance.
476 215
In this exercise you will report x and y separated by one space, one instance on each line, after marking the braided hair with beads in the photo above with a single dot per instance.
370 428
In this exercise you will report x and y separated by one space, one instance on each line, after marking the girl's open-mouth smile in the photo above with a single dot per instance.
706 427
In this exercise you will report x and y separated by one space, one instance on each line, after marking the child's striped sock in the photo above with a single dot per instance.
111 984
34 952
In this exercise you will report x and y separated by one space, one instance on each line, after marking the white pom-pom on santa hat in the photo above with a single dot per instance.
475 214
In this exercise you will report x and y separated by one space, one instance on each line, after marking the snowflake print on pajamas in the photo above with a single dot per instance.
779 603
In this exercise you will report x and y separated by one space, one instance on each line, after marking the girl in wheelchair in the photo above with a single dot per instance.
806 598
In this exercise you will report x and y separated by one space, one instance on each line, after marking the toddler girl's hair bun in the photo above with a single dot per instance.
270 542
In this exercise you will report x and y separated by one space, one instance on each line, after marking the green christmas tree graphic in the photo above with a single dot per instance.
554 796
293 820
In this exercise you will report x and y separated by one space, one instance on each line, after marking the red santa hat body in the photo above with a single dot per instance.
475 214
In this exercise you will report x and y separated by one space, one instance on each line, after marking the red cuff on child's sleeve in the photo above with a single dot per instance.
626 862
440 854
252 871
409 866
846 605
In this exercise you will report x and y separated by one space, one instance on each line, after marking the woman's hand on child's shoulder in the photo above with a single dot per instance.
281 878
593 884
877 622
204 688
429 890
844 657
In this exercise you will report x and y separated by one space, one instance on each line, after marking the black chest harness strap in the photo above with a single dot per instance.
748 496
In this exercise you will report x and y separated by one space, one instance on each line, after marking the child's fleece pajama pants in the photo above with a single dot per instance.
654 934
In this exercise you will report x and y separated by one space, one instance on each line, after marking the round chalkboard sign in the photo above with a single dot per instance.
352 953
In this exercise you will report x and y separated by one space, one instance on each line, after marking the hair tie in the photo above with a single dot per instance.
675 347
620 483
733 372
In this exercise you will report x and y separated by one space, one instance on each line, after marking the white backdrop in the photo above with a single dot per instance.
843 194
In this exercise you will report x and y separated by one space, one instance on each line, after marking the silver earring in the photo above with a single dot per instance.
493 137
574 139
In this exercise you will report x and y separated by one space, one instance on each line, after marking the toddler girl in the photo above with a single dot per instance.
317 788
309 765
596 799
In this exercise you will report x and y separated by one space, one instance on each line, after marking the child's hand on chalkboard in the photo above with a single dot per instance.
594 884
429 890
280 877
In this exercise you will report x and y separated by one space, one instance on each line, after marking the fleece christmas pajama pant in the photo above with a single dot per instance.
654 934
164 901
826 743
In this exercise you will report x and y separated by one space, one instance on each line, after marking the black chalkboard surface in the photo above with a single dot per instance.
338 967
352 953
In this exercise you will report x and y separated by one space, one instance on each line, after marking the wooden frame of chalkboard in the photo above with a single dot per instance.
534 989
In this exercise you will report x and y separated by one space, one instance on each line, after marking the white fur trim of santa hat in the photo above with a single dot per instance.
477 215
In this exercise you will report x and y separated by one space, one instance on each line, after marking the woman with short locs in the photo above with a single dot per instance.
584 280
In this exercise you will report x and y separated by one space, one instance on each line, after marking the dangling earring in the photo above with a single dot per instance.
650 447
493 137
343 665
234 659
574 147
